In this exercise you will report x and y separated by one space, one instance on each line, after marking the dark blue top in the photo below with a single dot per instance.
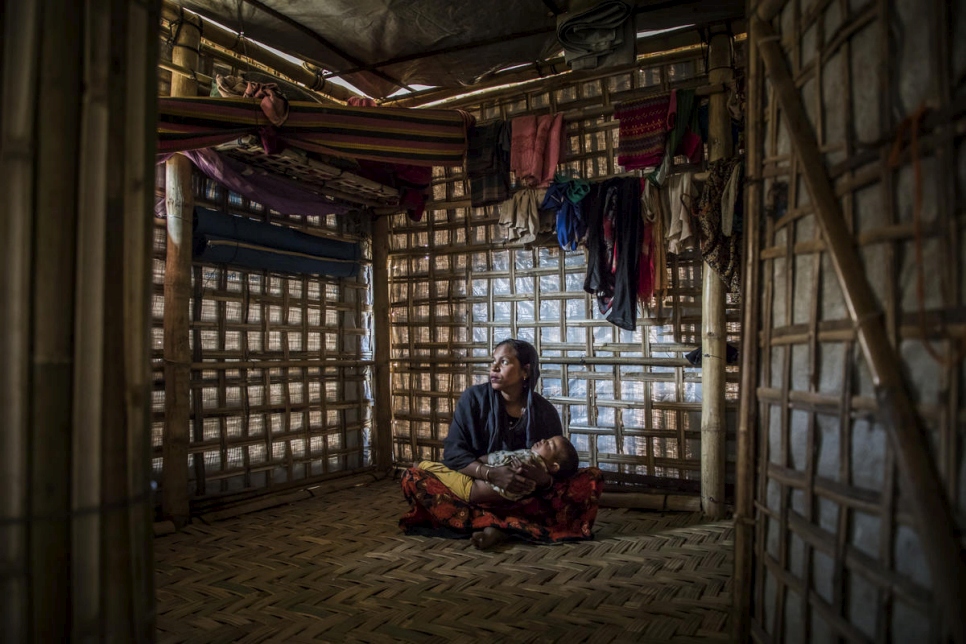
480 426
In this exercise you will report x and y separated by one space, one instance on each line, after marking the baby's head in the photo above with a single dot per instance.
559 455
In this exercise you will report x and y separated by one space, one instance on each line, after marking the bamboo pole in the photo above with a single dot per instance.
657 50
748 401
245 48
747 414
179 201
935 525
21 31
136 256
382 383
90 436
713 348
52 328
768 9
651 501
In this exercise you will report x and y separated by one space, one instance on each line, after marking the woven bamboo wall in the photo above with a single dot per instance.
280 386
279 389
837 556
629 400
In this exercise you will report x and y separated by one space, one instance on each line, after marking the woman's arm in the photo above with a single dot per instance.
464 442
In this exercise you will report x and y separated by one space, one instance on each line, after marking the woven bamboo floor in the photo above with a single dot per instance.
336 568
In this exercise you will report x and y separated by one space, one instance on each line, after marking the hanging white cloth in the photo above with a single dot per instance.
680 192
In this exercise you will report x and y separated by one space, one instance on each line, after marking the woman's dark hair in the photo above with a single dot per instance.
527 355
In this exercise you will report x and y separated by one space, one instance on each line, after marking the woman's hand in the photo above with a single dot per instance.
540 477
511 479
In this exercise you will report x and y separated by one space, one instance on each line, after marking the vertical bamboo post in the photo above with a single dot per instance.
21 31
712 305
179 201
140 132
91 435
748 404
382 434
52 323
935 523
74 519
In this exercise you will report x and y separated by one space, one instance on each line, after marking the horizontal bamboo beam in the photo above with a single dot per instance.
279 364
631 362
645 501
655 50
935 524
233 505
241 46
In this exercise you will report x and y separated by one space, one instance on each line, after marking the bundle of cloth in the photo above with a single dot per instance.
601 35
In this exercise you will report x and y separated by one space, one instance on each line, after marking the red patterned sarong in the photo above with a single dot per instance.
565 512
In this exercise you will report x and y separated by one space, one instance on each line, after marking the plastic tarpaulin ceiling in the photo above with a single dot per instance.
382 45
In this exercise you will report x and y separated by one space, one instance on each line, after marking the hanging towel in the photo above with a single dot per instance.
600 36
535 148
643 131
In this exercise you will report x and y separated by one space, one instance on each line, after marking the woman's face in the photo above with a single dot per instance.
506 372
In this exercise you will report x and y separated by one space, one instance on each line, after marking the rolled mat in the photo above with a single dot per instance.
222 238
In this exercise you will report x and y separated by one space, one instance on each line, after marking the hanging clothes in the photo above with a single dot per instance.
721 252
564 197
535 148
653 212
614 237
643 131
488 163
520 215
683 137
681 197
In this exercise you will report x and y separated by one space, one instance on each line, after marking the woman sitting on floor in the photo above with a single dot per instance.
504 414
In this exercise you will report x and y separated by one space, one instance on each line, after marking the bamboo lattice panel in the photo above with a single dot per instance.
279 388
629 400
337 569
837 554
